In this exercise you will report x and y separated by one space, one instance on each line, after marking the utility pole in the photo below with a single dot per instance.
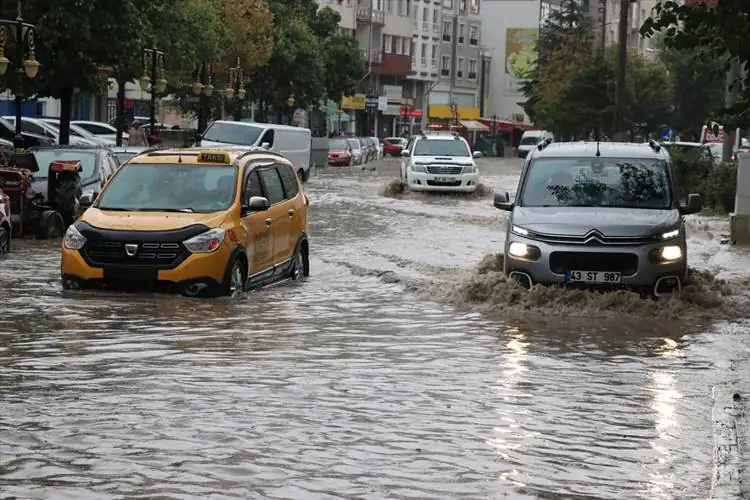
729 99
622 62
454 49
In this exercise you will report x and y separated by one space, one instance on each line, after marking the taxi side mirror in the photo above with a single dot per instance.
87 199
256 204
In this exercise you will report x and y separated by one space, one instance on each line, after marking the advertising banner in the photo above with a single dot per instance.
520 56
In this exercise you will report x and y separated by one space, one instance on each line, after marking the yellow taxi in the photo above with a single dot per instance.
201 222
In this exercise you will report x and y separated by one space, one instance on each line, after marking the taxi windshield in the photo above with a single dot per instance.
140 187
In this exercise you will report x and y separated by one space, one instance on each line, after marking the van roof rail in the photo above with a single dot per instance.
546 142
654 145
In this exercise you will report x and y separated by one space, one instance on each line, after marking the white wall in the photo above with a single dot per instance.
497 16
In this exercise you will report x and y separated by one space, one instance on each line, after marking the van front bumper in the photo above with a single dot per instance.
463 183
206 270
639 265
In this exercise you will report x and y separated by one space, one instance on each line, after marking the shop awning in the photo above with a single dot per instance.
474 126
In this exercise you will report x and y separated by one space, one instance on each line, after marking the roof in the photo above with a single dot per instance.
607 150
258 125
132 149
682 143
190 155
93 148
439 137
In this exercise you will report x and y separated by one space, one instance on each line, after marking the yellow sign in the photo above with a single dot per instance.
520 56
462 113
356 101
214 157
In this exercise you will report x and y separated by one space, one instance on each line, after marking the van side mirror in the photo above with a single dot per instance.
87 199
502 201
694 205
405 152
265 145
256 204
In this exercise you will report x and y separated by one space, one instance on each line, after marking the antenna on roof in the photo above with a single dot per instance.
598 153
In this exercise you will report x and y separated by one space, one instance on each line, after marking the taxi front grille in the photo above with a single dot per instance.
444 169
158 255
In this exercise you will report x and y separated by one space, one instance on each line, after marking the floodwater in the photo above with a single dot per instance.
395 371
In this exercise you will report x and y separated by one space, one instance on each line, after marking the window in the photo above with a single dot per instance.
389 6
435 17
448 4
252 186
423 55
387 44
401 8
32 127
463 6
272 185
441 147
473 69
399 45
233 133
474 35
425 14
475 6
461 30
378 5
46 156
447 30
96 129
445 66
407 47
460 67
433 59
289 180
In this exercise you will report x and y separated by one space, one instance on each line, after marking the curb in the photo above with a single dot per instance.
730 431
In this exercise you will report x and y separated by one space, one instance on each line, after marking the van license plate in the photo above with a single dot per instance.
443 179
593 277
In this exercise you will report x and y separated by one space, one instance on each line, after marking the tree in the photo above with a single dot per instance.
712 31
342 61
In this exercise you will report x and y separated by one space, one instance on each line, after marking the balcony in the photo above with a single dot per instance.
425 27
472 75
377 55
364 14
436 30
446 37
445 72
474 41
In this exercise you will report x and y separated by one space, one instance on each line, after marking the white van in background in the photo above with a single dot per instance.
530 139
292 142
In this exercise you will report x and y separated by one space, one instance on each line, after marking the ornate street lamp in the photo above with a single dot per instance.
154 59
25 41
236 84
204 88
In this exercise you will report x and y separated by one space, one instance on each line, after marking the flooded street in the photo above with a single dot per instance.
385 375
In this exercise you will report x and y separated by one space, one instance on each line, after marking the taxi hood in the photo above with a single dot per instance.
149 221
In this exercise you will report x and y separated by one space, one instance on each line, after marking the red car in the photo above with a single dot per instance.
339 152
4 223
393 146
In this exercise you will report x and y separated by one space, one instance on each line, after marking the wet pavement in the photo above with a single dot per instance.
369 380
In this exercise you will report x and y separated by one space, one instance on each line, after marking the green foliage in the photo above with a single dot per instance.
571 88
713 34
721 187
697 174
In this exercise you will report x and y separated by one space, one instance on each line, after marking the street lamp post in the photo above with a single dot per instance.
25 35
236 84
153 59
339 113
203 87
290 103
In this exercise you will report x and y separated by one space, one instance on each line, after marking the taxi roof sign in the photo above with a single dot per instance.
214 157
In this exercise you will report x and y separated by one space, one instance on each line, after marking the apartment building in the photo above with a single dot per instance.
455 94
606 14
383 29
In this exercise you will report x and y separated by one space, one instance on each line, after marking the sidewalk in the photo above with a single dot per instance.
731 422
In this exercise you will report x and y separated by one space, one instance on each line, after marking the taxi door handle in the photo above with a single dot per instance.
291 213
269 221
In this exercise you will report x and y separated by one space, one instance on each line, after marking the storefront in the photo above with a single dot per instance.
446 114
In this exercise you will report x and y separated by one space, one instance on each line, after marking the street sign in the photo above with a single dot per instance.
454 107
667 134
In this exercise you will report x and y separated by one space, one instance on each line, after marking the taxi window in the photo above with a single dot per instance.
253 187
289 178
272 184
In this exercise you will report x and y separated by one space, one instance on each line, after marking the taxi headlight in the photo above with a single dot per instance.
672 252
206 242
73 239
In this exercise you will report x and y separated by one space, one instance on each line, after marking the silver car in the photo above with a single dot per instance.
598 214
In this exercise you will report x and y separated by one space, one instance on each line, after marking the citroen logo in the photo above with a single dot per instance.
594 236
131 249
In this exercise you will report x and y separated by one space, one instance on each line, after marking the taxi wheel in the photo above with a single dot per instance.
235 283
300 264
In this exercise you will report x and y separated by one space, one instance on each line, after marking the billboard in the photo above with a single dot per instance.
520 56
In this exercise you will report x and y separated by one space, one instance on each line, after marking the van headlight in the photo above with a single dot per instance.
670 253
206 242
519 231
73 239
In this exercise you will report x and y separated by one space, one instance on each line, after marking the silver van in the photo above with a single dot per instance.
295 143
598 214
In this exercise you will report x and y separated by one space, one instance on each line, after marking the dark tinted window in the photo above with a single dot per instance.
289 178
272 185
232 133
253 187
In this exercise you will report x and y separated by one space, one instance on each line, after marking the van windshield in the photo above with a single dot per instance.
531 140
597 182
233 133
139 187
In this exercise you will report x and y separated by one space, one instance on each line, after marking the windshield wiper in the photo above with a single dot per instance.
117 209
183 210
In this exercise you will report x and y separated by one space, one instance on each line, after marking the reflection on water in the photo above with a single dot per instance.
341 387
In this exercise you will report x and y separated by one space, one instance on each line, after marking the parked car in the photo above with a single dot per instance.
598 214
40 127
435 162
378 147
98 163
367 150
5 227
125 153
295 143
393 145
358 152
339 152
101 129
80 133
30 140
231 220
